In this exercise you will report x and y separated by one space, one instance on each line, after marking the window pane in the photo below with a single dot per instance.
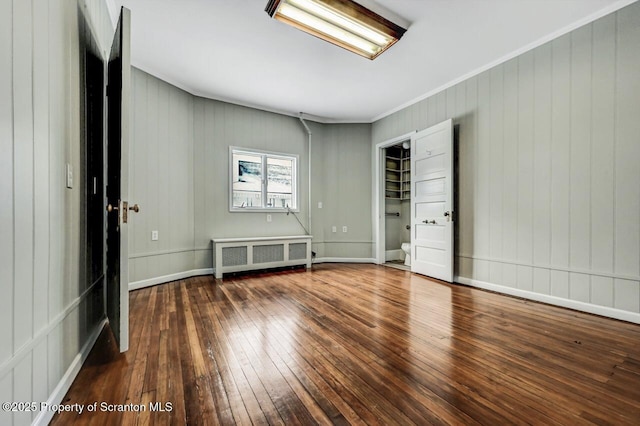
280 178
247 180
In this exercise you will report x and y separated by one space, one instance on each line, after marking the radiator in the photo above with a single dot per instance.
245 254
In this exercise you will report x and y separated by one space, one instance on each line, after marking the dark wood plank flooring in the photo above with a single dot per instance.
358 344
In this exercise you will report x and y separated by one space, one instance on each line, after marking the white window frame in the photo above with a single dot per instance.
264 156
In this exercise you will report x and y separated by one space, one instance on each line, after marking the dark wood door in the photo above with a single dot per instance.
94 185
119 77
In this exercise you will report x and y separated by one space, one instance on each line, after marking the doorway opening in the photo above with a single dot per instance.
392 205
91 176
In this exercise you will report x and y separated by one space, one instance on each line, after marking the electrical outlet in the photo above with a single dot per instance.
344 228
154 235
319 204
268 218
334 229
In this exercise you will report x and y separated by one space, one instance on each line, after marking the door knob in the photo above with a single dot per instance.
135 208
111 208
429 221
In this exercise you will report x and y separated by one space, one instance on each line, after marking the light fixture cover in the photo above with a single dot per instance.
342 22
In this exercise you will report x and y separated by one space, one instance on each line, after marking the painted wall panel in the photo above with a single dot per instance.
39 377
560 284
510 275
560 150
510 163
580 151
22 389
23 175
579 287
541 208
180 151
6 394
602 145
496 165
602 291
467 152
57 157
42 200
525 158
6 180
161 176
549 188
627 295
542 281
55 368
525 278
137 158
482 203
40 247
627 143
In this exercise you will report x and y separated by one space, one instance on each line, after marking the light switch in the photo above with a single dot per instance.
154 235
268 218
319 204
334 229
69 176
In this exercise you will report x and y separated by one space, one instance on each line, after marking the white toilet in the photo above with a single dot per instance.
406 247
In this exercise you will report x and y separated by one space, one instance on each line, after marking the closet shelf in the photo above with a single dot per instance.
398 162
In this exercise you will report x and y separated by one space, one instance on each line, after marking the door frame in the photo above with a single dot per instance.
379 226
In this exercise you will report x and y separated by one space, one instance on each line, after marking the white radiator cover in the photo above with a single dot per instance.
245 254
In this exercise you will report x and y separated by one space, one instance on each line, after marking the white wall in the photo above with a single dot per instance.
549 199
48 313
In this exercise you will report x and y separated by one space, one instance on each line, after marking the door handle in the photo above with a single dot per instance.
448 215
433 222
125 210
111 208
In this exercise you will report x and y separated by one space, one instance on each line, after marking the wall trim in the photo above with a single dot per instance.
553 300
553 268
168 278
135 285
342 242
44 417
344 260
170 251
44 332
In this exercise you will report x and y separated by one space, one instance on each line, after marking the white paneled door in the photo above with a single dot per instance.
432 201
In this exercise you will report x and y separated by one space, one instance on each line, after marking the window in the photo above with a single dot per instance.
262 180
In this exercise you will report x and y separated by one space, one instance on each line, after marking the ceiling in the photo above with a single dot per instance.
231 50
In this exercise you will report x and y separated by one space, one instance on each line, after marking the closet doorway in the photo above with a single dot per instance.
392 205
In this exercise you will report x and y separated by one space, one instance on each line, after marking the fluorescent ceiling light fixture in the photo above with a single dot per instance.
342 22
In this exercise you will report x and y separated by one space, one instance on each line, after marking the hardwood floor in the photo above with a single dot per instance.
358 344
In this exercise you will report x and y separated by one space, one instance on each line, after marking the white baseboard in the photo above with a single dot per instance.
344 260
553 300
168 278
135 285
44 417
